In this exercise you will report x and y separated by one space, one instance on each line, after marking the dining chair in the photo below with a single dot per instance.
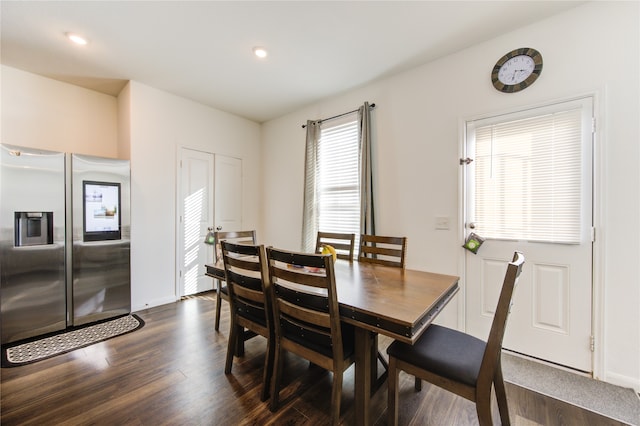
307 318
343 243
247 279
387 251
244 237
456 361
383 250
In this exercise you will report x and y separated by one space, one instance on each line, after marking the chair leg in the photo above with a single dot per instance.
240 342
268 371
218 306
392 393
501 396
336 395
275 379
231 346
483 406
417 385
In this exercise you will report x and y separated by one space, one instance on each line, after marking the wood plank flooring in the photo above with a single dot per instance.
170 372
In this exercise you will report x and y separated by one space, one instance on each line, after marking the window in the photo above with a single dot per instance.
338 178
338 190
529 173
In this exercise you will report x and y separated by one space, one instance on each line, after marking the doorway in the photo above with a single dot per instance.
528 187
195 214
210 195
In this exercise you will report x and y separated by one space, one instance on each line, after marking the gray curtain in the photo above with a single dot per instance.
309 213
367 217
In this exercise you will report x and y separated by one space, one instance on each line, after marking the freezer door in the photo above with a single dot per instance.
32 269
101 270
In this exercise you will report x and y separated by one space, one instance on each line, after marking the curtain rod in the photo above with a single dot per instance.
339 115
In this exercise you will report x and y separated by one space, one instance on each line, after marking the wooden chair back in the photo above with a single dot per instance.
343 243
238 237
307 318
248 288
383 250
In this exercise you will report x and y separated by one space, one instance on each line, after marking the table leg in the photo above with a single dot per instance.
363 376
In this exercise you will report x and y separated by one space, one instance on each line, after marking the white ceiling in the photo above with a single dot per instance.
202 50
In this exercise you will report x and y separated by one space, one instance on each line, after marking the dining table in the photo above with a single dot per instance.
395 302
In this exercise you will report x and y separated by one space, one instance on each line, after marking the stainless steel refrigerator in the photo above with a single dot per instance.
64 240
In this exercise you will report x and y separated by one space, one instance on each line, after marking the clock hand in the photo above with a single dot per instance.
515 72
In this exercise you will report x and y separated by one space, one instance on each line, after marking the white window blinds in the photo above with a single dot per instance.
337 179
528 178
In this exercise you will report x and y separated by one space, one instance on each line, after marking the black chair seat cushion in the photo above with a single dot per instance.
224 290
443 351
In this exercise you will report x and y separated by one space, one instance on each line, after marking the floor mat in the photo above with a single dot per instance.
612 401
43 347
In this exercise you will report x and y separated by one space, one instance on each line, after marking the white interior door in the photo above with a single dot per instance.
530 190
196 214
228 193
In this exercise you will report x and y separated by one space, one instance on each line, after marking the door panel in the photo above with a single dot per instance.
492 275
196 213
551 313
228 193
550 291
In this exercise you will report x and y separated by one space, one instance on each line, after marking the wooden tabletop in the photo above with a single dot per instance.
399 303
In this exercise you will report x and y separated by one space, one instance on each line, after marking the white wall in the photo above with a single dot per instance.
160 124
47 114
417 125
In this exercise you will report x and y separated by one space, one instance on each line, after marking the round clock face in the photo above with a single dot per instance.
517 70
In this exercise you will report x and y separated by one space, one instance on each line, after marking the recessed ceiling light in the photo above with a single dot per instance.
260 52
76 38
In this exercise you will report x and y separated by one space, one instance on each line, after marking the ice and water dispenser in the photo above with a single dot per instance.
33 228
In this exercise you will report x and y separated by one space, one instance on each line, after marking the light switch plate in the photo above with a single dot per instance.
442 222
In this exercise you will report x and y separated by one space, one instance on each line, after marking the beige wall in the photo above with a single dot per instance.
47 114
418 141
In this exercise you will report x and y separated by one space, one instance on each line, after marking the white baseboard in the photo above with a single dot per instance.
623 381
154 303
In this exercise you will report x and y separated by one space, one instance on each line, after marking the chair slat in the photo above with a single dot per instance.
342 242
383 250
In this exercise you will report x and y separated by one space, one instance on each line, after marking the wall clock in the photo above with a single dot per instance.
517 70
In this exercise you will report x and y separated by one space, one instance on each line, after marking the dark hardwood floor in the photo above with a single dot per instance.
170 372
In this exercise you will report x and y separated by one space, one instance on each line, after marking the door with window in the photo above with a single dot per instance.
528 187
